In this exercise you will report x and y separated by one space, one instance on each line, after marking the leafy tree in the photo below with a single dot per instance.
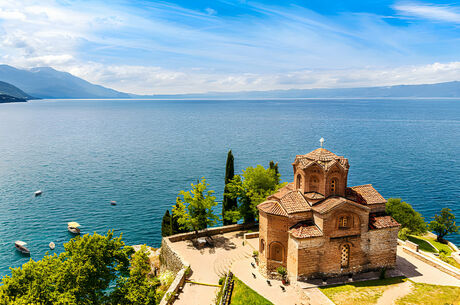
252 188
175 226
139 288
403 213
166 225
79 275
228 203
443 224
195 210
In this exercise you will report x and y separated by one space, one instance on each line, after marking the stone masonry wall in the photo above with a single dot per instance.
382 247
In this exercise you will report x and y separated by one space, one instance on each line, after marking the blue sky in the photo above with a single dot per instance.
234 45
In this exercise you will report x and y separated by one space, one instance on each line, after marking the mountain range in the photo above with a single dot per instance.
48 83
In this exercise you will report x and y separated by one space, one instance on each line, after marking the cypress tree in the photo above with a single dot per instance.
166 228
228 204
274 166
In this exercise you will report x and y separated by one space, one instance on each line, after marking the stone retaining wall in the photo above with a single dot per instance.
211 231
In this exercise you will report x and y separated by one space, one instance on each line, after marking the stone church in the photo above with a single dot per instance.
317 226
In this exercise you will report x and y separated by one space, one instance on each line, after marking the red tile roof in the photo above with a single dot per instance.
329 203
294 202
272 207
305 231
368 193
322 157
381 222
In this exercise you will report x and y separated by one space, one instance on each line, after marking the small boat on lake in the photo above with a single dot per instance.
21 247
113 202
52 245
73 227
38 193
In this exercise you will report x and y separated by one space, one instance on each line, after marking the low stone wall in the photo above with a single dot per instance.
251 235
438 265
411 245
178 282
211 231
169 259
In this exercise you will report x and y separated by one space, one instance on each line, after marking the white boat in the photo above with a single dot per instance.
52 245
38 193
21 247
73 227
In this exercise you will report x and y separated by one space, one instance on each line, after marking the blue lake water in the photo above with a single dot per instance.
83 154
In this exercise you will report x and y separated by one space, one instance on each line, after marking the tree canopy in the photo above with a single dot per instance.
403 213
443 224
194 210
79 275
251 188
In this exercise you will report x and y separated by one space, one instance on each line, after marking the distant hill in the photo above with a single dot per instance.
10 90
46 82
4 98
447 90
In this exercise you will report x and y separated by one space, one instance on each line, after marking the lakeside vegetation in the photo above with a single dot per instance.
93 269
194 209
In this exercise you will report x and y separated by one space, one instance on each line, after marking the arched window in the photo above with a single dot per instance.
299 181
334 186
314 183
345 256
276 252
262 245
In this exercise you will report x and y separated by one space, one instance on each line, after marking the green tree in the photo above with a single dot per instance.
252 188
140 287
443 224
274 166
403 213
175 226
79 275
166 225
228 203
194 210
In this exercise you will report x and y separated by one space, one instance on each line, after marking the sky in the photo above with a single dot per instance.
170 47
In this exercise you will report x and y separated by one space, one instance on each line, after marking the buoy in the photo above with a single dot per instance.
52 245
113 202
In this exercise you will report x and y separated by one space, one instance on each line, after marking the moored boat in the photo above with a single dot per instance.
73 227
52 245
38 193
21 247
113 202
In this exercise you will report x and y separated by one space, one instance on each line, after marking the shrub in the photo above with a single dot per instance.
255 253
403 213
402 234
281 271
383 273
166 278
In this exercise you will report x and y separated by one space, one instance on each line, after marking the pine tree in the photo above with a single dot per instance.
166 225
228 203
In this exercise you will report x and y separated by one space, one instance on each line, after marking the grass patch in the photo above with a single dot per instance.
243 295
426 294
359 293
422 244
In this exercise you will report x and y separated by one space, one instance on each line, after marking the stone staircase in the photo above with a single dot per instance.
223 263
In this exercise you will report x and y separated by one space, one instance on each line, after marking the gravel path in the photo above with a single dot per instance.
390 295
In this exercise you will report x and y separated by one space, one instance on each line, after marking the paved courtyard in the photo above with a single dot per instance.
210 263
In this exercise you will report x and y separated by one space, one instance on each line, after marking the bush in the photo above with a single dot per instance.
255 253
403 213
166 278
221 280
281 271
382 273
402 234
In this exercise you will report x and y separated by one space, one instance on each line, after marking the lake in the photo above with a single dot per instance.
84 154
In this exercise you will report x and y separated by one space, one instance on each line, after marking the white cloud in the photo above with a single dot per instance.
430 11
155 80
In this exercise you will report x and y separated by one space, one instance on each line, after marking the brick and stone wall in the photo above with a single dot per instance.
382 247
